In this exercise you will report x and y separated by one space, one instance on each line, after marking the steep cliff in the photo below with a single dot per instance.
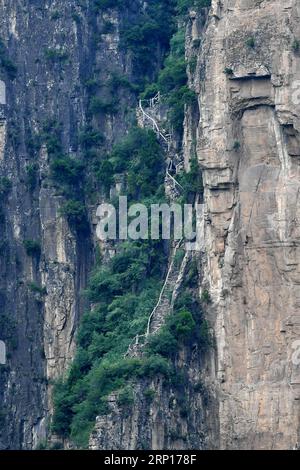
244 70
73 73
70 85
248 146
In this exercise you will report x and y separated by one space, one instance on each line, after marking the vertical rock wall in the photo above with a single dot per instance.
249 148
248 144
52 46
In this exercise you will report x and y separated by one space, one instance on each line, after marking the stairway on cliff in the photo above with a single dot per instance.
166 300
152 114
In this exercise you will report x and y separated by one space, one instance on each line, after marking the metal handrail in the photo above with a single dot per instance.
167 138
174 180
163 288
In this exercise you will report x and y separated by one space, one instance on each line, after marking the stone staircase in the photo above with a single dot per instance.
165 303
150 116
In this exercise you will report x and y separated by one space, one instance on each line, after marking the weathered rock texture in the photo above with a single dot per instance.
248 144
249 147
245 394
54 46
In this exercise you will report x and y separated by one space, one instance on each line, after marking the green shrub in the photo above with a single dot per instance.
31 175
228 71
193 64
163 343
184 5
155 365
141 157
296 45
75 212
125 396
65 170
182 325
205 297
55 15
236 145
5 186
250 42
6 63
32 248
91 138
149 394
35 288
56 55
100 106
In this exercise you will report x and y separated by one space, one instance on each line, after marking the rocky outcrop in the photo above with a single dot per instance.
51 52
248 147
247 144
244 62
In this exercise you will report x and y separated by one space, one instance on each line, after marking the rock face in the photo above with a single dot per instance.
51 53
244 393
249 147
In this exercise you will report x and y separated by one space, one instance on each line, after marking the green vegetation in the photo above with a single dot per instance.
124 290
149 394
31 176
154 26
250 42
184 326
102 5
6 63
32 247
67 174
36 288
191 181
172 83
100 106
205 297
237 145
184 5
5 186
296 45
125 397
56 55
228 71
75 212
8 330
140 156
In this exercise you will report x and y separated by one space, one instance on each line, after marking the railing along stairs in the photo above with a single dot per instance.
163 306
165 138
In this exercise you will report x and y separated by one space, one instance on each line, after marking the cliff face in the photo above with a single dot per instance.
248 145
52 53
244 392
